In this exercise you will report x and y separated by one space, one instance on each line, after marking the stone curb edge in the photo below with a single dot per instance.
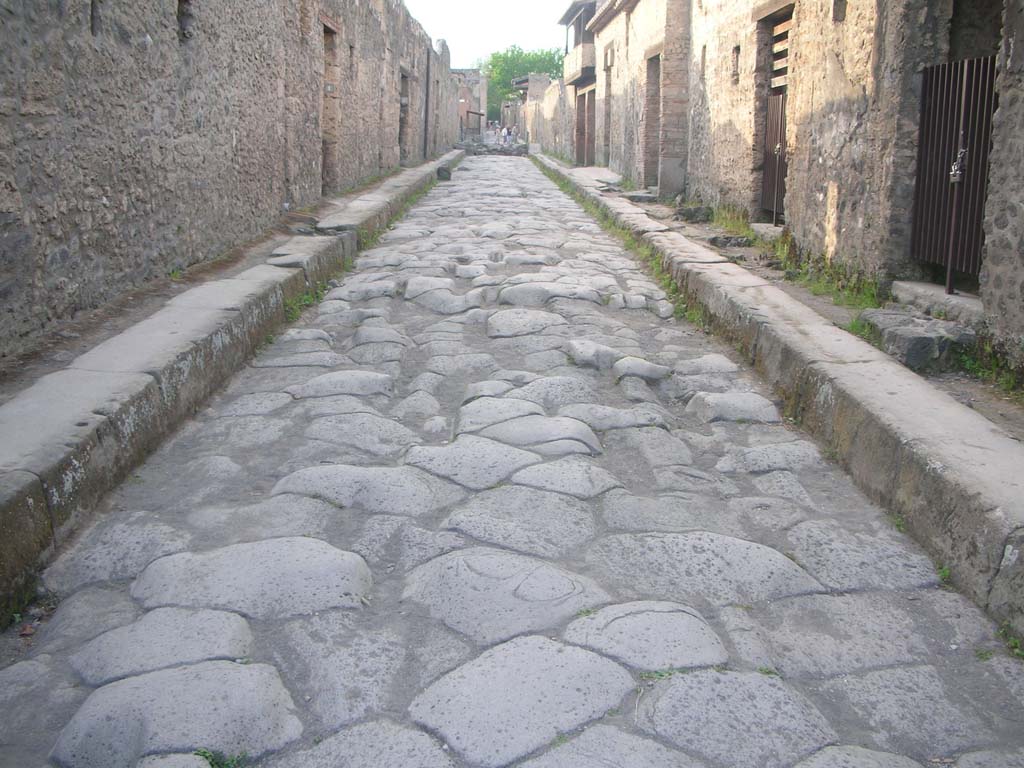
951 477
76 433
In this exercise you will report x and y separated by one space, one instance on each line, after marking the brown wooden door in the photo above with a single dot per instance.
773 184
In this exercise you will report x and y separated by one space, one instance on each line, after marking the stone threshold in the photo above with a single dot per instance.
955 480
933 300
74 434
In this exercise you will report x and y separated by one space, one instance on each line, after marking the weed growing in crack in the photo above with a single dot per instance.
220 760
1013 642
984 654
768 671
294 307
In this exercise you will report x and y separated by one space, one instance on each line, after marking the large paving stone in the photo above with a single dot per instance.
37 697
84 615
163 638
732 406
113 550
994 758
265 579
849 561
909 710
603 417
342 667
492 595
344 383
657 447
388 490
650 636
707 364
520 322
484 412
217 705
856 757
603 745
640 368
173 761
798 454
553 392
743 720
525 519
527 431
699 566
591 354
517 697
377 744
829 635
572 475
372 434
471 461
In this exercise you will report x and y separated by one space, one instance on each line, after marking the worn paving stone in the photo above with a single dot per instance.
388 490
829 635
572 475
344 669
113 551
372 434
995 758
649 636
856 757
592 354
622 511
602 418
525 519
264 579
517 697
217 705
483 412
553 392
799 454
173 761
733 406
520 322
745 720
640 368
470 461
603 745
908 710
376 744
841 559
535 430
657 447
491 595
703 567
162 638
344 383
37 697
706 364
84 615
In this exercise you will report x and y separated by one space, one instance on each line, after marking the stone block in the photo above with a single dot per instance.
26 533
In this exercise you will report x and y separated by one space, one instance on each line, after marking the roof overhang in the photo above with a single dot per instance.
574 10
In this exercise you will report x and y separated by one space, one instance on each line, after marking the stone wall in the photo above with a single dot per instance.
139 138
1002 273
550 115
627 42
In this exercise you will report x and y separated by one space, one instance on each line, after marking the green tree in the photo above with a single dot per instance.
502 67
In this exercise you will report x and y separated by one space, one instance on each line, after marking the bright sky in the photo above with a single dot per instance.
475 30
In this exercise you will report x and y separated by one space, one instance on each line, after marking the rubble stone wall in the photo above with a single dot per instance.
550 116
1002 272
628 41
139 138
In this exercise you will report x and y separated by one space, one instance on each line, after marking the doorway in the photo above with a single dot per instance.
652 122
330 113
774 163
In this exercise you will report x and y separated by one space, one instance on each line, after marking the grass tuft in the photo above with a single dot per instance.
220 760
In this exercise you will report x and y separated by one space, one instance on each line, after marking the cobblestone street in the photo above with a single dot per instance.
489 504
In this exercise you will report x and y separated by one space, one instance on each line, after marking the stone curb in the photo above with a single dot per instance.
954 478
75 434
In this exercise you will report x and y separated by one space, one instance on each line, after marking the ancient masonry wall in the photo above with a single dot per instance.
139 138
550 115
627 43
1002 274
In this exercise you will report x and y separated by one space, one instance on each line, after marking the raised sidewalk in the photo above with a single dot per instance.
954 479
76 433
